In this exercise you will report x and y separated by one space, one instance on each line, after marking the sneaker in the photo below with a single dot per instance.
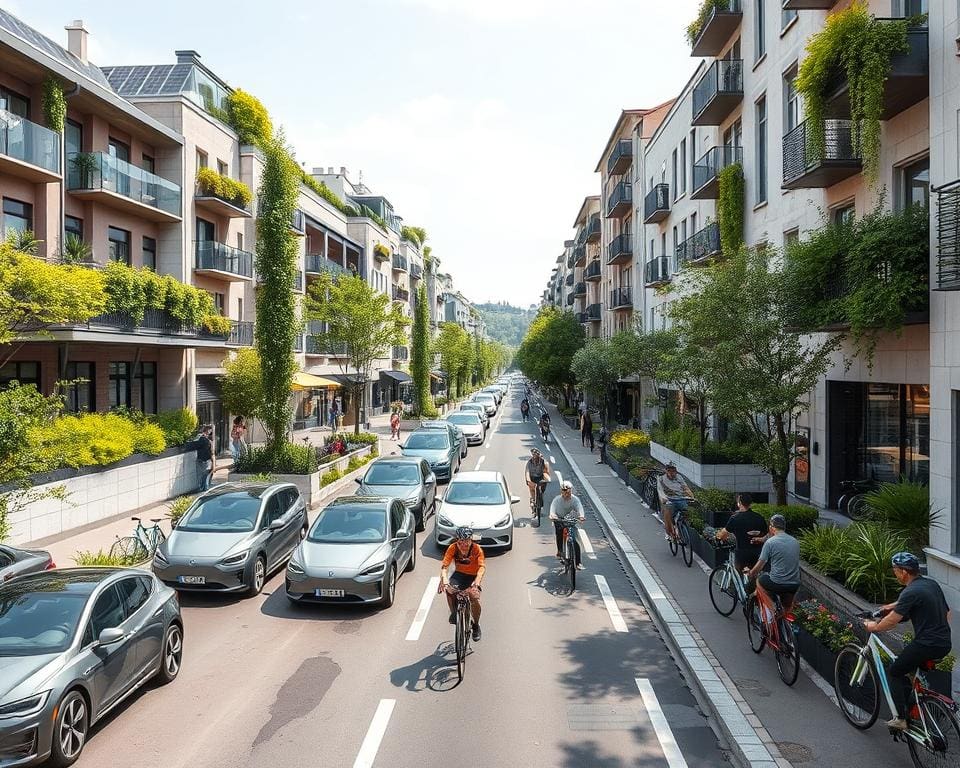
579 566
477 634
666 537
897 724
453 618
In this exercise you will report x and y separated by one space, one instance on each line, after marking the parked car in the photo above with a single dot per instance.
75 643
19 562
487 400
444 424
495 391
439 447
408 478
470 425
480 409
478 500
354 553
232 538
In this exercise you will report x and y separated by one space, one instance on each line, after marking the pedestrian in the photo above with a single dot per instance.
602 444
582 405
395 426
586 430
206 464
332 417
237 444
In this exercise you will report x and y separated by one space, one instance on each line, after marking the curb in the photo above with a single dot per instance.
749 742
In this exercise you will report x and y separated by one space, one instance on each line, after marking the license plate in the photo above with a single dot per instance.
329 593
192 579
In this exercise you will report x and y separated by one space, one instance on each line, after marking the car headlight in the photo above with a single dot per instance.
441 464
295 567
373 570
27 706
502 523
159 559
444 521
236 559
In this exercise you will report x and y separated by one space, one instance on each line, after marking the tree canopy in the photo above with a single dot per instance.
548 348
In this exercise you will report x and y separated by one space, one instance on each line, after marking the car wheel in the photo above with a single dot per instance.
413 558
389 589
258 576
421 517
69 730
171 656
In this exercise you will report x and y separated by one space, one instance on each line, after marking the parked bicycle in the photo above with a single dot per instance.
769 624
569 555
728 587
933 730
853 501
142 544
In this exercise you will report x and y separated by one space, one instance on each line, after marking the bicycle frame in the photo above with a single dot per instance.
730 575
769 615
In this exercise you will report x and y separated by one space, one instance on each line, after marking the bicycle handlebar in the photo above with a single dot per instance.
877 614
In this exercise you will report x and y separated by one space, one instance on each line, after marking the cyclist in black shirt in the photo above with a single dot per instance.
744 524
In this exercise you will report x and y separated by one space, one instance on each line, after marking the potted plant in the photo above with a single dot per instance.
86 165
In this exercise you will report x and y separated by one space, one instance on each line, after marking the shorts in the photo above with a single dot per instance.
772 587
462 580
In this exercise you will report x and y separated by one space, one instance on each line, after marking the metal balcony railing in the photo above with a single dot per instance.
948 236
706 169
620 249
719 26
593 228
593 270
620 158
298 221
580 289
806 165
317 263
400 294
699 247
241 334
568 280
416 271
621 298
656 205
718 92
656 271
223 258
400 263
400 353
593 312
620 200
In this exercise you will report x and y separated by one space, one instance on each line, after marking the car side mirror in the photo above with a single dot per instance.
276 525
110 636
431 479
402 536
514 499
358 480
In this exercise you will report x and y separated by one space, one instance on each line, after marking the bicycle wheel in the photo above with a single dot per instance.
858 509
460 642
571 563
674 546
723 595
788 659
859 701
686 548
129 550
756 632
944 747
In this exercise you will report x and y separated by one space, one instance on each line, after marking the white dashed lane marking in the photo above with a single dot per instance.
425 602
375 733
660 725
616 618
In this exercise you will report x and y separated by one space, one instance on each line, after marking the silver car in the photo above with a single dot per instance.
478 408
232 538
75 643
407 478
18 562
478 500
354 553
487 400
470 425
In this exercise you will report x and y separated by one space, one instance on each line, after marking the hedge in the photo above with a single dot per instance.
800 517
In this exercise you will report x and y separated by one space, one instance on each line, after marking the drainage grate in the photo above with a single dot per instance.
746 684
795 753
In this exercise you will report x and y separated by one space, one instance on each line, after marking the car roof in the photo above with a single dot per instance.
360 501
396 460
468 406
433 424
477 476
253 489
81 581
431 430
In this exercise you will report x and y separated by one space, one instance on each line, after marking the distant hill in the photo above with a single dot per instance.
506 323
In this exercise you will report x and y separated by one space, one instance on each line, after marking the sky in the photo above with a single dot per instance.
480 120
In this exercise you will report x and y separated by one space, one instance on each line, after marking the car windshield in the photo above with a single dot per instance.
391 473
431 441
37 622
475 407
474 493
226 513
349 524
464 419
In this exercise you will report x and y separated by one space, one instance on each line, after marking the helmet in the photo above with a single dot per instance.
566 485
670 465
464 533
906 560
534 451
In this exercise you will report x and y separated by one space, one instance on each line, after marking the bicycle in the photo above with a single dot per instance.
648 491
143 543
461 633
853 501
933 730
536 503
769 624
569 551
726 584
681 534
545 433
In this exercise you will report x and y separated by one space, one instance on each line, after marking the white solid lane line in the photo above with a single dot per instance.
378 727
480 461
616 618
425 602
661 727
586 544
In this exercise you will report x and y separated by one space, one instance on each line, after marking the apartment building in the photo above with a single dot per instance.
586 251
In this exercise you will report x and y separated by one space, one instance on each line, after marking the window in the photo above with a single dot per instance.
914 184
843 214
273 510
15 103
149 253
148 164
22 372
240 241
733 136
790 237
787 17
222 168
397 515
147 376
674 239
240 309
791 102
683 231
761 109
73 137
17 216
693 152
693 223
904 9
683 166
107 613
663 243
134 593
219 302
118 245
760 31
73 226
81 395
673 175
201 159
119 385
118 149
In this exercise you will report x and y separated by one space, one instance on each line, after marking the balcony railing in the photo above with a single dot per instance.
593 313
298 222
582 317
948 236
400 294
400 353
718 28
241 334
656 205
96 172
620 158
416 271
621 298
220 257
707 168
579 256
400 263
809 5
620 200
571 260
620 250
580 289
806 167
718 93
568 280
317 263
656 272
700 247
29 143
593 228
593 270
157 322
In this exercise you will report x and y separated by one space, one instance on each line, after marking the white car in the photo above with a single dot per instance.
478 500
487 400
470 425
495 391
478 408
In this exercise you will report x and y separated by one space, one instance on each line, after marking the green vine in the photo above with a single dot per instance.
54 104
415 235
249 118
856 44
706 10
420 357
730 208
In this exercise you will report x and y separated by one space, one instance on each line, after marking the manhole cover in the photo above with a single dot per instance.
746 684
795 753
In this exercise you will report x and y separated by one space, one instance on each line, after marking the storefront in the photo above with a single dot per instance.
395 385
313 398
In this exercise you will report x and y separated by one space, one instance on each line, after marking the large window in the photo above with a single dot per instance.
73 226
791 102
73 137
843 214
914 184
674 187
759 30
761 109
14 102
119 385
22 372
150 253
683 166
81 394
17 216
118 245
147 377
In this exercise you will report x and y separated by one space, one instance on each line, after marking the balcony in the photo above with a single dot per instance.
948 237
656 205
593 313
400 263
805 168
907 84
718 93
656 272
298 223
620 158
582 317
241 334
317 264
223 261
718 29
580 289
620 250
808 5
102 177
593 270
705 172
579 256
593 229
620 200
218 205
698 249
157 328
621 298
568 280
570 299
400 353
416 271
571 260
27 150
400 294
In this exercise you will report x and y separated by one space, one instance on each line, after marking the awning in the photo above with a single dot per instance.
303 380
437 376
398 376
342 379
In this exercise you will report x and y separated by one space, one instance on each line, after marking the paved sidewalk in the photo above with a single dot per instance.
799 724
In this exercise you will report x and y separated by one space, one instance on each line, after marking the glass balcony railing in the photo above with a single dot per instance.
224 258
400 263
28 142
98 171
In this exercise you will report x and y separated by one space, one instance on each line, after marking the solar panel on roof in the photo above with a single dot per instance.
157 75
175 80
116 76
131 85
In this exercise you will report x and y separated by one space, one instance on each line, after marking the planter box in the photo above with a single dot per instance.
636 483
617 467
572 422
708 553
816 654
729 477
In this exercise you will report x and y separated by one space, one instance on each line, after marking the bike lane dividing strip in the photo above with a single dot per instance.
586 543
661 727
375 733
425 602
616 618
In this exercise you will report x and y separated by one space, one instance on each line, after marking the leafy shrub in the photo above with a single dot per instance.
905 508
827 627
326 193
217 325
715 499
95 439
439 400
946 664
632 440
178 508
133 291
178 425
102 559
825 548
800 517
249 118
213 183
290 459
360 438
148 438
704 12
358 461
867 566
330 477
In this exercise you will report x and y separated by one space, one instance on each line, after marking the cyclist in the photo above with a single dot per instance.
545 426
674 495
782 551
468 556
525 408
745 525
923 604
537 472
567 507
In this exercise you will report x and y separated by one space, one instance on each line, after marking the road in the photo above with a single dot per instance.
557 680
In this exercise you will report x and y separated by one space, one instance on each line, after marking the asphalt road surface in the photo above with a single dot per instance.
558 679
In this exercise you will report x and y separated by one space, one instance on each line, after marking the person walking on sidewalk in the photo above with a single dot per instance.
333 416
394 426
586 429
237 445
602 443
206 464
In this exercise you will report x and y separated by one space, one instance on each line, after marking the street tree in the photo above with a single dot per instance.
596 369
242 384
456 356
362 320
420 355
548 348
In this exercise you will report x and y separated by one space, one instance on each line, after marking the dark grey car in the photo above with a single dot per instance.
75 643
232 538
407 478
19 562
440 447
